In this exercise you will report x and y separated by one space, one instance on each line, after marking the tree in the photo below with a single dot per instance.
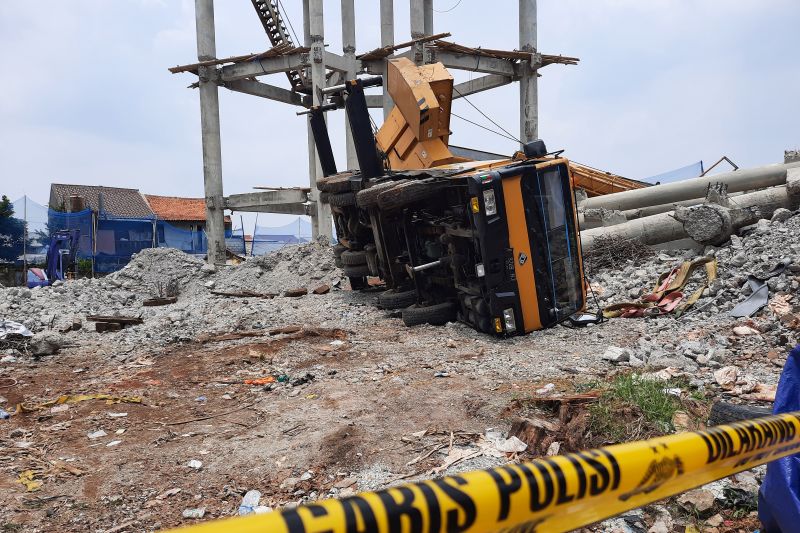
12 232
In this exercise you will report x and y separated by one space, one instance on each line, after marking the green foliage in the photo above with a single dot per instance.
6 207
83 267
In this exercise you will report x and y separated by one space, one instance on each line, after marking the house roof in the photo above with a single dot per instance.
176 208
117 201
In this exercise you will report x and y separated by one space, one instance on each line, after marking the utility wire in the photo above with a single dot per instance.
487 117
484 127
449 10
286 16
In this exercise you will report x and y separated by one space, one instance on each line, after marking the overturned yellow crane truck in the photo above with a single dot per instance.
493 244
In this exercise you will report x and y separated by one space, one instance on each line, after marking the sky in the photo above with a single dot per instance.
85 95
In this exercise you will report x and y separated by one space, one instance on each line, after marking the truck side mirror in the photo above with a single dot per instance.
534 149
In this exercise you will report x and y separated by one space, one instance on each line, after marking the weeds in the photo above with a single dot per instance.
631 407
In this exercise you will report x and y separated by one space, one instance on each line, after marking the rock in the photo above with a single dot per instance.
208 268
294 293
660 359
738 260
743 331
781 215
715 521
46 343
322 289
194 513
210 284
699 500
616 354
726 377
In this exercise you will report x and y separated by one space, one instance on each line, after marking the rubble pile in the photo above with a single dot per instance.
52 312
762 248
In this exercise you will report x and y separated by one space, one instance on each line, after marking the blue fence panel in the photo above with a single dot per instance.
189 241
118 239
234 241
81 221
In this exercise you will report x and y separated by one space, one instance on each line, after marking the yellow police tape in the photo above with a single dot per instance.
548 494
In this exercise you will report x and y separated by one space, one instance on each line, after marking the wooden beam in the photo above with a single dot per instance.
257 88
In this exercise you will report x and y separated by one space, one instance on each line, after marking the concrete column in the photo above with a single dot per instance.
349 49
528 83
209 124
387 39
418 28
428 8
321 224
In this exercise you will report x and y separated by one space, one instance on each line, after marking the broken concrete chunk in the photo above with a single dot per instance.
743 331
46 343
294 293
781 215
700 500
616 354
726 377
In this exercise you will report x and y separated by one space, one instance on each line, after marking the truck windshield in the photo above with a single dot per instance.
551 225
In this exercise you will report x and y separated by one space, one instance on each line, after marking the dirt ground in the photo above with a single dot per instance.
342 421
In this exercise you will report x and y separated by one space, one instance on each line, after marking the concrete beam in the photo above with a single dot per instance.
210 128
417 20
337 62
264 90
349 51
528 79
387 39
321 224
736 181
484 83
474 63
261 67
238 202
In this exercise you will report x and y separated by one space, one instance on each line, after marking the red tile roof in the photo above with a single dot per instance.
177 208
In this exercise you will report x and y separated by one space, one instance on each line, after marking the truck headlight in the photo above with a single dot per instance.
508 318
489 203
480 271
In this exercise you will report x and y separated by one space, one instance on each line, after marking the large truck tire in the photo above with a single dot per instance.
436 315
367 198
342 199
351 258
725 413
356 271
392 299
335 183
407 193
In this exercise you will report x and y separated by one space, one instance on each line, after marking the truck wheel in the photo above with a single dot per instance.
342 199
337 183
324 197
725 413
351 258
396 300
437 314
356 271
367 198
339 249
407 193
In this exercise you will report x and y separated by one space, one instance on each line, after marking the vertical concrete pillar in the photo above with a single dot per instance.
387 39
349 49
321 224
418 28
209 123
528 83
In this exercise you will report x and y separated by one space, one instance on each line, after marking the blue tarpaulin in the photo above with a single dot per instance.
779 497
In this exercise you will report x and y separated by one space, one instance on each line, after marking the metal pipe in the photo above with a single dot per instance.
528 82
737 181
387 39
209 123
426 266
